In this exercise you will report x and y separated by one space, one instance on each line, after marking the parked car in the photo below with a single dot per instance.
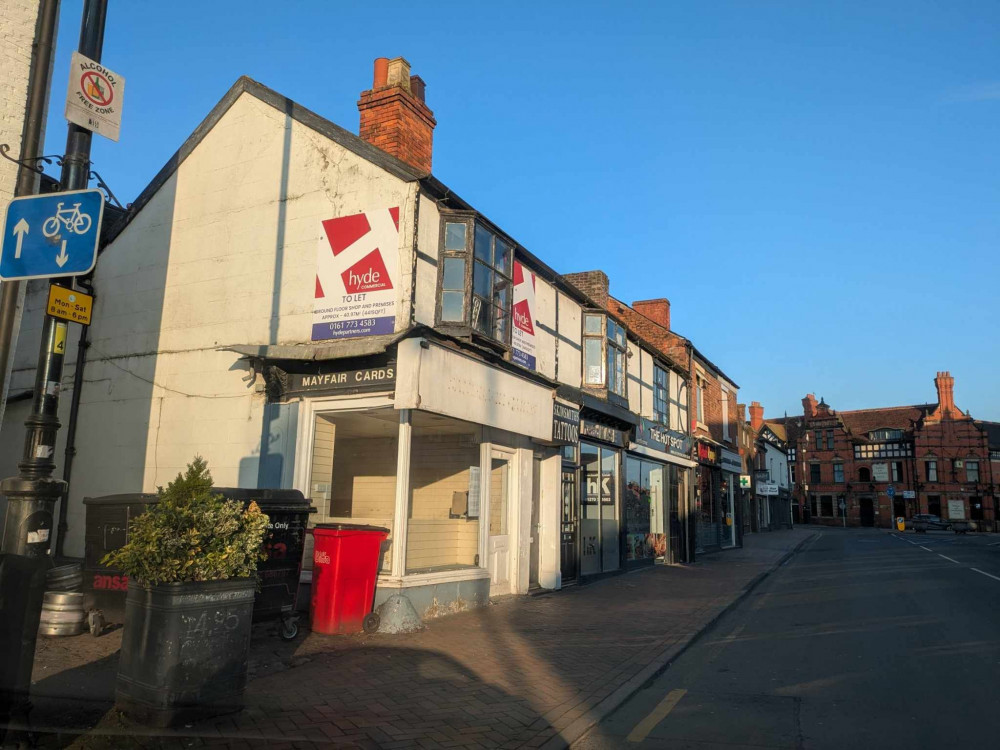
924 521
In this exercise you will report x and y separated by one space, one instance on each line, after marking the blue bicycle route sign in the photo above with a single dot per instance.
51 235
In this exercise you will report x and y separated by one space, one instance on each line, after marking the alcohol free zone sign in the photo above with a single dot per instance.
94 98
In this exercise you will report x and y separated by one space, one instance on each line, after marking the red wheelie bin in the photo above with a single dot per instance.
345 568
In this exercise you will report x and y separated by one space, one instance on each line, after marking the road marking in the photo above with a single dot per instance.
949 559
658 714
993 544
990 575
926 548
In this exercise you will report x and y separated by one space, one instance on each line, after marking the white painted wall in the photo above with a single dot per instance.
570 346
17 33
223 254
428 240
545 327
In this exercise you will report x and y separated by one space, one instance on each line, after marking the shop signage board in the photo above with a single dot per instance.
654 435
443 381
94 97
744 481
357 275
730 461
523 333
565 423
956 510
767 488
69 304
707 454
880 472
51 235
343 381
603 432
909 495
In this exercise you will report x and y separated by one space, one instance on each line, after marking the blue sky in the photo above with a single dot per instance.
814 186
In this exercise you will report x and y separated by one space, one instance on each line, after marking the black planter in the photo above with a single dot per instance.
184 650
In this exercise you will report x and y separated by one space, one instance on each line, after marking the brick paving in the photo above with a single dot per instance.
524 672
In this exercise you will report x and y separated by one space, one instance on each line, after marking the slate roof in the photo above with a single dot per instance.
863 421
992 432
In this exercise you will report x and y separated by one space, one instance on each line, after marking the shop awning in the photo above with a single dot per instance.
359 347
642 450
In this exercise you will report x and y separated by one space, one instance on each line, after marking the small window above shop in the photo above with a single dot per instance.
604 353
475 278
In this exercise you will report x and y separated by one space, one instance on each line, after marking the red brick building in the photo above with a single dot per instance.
867 467
715 419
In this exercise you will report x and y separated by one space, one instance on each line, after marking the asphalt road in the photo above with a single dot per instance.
864 639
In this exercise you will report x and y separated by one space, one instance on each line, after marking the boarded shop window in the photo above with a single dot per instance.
353 472
444 509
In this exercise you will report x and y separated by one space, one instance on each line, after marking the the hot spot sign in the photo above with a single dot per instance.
357 272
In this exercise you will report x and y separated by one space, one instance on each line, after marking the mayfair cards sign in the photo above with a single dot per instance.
357 275
343 381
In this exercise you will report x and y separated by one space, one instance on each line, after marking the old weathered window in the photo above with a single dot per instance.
475 279
661 411
604 350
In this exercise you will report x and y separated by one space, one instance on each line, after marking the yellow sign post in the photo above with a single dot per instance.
70 304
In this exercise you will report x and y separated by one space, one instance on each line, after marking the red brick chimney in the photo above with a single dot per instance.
657 310
809 405
592 283
756 416
394 116
945 384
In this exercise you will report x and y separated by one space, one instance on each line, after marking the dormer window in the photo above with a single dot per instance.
604 351
880 436
476 290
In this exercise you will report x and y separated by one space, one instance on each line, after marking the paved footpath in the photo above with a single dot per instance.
534 671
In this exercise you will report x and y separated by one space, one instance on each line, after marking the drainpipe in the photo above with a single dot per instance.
74 410
695 473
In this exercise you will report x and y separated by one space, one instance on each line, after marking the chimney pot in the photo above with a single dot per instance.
394 116
417 86
399 73
381 79
756 416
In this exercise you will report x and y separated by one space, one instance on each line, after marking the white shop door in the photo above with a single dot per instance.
498 546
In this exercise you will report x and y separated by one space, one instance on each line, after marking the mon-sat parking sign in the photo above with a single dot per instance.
45 236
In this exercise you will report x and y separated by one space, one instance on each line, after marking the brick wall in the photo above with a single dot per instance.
17 33
394 116
592 283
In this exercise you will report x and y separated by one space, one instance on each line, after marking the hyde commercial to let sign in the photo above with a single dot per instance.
94 98
46 236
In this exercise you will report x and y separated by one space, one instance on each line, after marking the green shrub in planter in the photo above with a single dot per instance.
192 534
191 560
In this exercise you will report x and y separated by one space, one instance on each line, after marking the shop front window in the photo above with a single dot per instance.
444 508
353 470
599 516
645 536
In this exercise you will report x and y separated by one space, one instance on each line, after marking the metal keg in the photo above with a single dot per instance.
62 614
65 578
